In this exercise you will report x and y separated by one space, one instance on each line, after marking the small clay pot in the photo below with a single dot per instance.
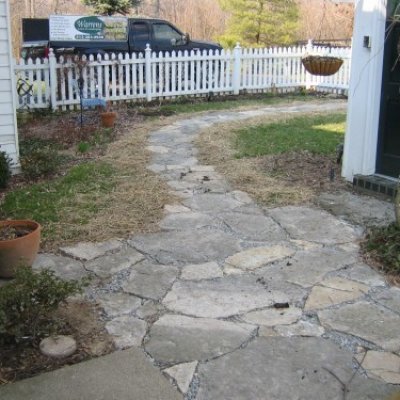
108 119
20 251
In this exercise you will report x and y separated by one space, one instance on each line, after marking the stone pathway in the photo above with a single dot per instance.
233 301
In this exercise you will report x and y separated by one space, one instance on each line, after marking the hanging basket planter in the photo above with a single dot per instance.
322 65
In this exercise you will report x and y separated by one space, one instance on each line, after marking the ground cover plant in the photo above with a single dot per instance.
382 244
27 304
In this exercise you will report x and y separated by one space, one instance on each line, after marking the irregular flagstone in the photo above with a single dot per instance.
196 272
390 298
115 304
126 331
346 285
253 227
249 209
176 208
221 298
187 247
181 186
307 268
63 267
109 265
267 331
334 291
279 369
177 339
149 310
361 210
216 186
273 316
365 274
367 321
150 281
305 245
89 251
183 374
301 328
380 365
202 176
313 225
250 260
175 158
158 149
272 278
361 388
213 203
187 220
202 168
242 197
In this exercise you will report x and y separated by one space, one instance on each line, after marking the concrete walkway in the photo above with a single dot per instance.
232 301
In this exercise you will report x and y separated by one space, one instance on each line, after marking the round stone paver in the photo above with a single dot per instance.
58 346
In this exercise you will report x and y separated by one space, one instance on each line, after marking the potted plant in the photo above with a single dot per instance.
19 245
108 116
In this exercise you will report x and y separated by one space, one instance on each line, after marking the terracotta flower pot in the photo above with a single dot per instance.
108 119
20 251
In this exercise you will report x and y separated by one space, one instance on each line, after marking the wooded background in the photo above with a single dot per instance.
203 19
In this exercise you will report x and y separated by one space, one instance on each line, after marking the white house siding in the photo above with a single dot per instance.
8 123
365 89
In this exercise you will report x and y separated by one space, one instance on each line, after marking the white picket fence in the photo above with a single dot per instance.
54 83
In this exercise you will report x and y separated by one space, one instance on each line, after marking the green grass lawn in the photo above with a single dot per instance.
318 134
73 198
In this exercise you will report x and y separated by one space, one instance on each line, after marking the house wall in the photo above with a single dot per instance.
361 140
8 123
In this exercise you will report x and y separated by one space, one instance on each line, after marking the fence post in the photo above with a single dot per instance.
148 72
53 80
308 76
237 68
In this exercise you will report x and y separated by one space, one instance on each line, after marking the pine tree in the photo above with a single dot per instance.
260 23
110 7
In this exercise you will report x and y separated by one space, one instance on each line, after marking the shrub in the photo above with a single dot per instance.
383 244
27 303
5 169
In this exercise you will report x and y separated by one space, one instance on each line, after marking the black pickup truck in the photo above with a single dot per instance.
161 35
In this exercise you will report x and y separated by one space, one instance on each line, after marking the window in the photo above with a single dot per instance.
164 32
141 32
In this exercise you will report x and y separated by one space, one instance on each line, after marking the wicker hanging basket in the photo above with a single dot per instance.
322 65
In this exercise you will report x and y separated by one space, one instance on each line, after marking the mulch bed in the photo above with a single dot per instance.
79 320
318 172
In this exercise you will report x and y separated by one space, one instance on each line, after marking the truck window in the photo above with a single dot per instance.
140 34
163 33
